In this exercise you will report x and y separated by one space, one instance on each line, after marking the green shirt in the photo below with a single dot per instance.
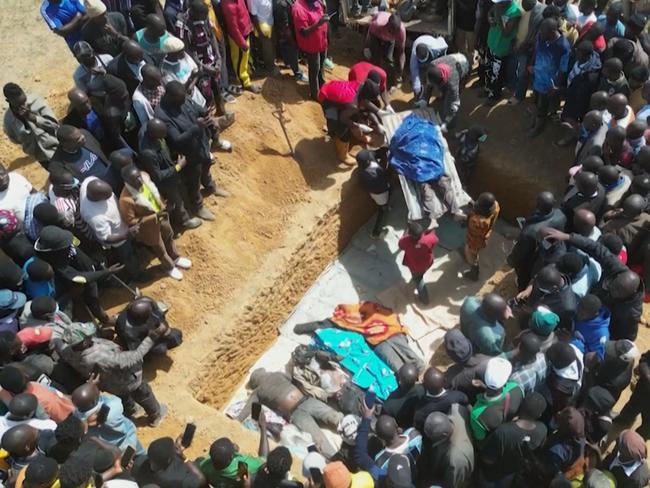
499 44
228 475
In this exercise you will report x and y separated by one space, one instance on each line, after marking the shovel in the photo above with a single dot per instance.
279 114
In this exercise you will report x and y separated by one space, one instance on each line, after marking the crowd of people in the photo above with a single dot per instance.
129 166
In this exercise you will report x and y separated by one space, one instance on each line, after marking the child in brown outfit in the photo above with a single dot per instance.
480 222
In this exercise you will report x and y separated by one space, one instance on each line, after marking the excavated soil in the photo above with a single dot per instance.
286 220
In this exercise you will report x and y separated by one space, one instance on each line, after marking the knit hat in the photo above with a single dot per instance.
12 300
53 238
94 8
399 472
172 45
313 460
8 223
347 428
458 347
336 475
543 321
497 372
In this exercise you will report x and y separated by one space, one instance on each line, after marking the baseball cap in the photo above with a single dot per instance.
12 300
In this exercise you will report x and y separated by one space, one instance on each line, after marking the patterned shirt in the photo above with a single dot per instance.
530 376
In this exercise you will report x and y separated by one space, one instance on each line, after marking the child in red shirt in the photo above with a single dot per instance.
418 255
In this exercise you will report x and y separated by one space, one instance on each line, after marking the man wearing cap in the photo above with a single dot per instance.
104 31
505 451
11 304
91 65
481 322
55 246
467 366
120 372
448 454
499 402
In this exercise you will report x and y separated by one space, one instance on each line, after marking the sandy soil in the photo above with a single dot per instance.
285 221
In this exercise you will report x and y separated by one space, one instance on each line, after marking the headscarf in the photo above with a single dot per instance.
8 223
497 372
445 72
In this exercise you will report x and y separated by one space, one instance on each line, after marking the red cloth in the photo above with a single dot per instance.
379 29
418 256
600 44
445 71
359 72
238 21
339 91
622 256
55 404
34 336
305 16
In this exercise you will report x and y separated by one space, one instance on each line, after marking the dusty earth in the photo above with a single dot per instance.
285 221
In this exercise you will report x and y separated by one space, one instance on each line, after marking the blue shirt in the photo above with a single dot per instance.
35 289
551 59
56 16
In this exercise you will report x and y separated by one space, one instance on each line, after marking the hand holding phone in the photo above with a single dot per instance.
127 457
242 470
256 409
370 398
102 415
188 435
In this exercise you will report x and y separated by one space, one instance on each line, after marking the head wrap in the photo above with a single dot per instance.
347 428
631 446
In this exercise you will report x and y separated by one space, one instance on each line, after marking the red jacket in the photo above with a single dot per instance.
305 15
238 21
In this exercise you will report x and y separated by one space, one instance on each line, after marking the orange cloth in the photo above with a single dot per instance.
374 321
56 404
479 228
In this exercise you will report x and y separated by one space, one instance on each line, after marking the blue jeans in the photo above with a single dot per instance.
518 74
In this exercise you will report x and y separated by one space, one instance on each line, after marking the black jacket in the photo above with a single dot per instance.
564 303
574 201
626 313
120 68
156 160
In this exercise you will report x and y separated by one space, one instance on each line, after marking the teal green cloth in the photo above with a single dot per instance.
486 337
543 321
368 370
498 43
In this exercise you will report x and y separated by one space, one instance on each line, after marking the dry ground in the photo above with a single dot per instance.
285 221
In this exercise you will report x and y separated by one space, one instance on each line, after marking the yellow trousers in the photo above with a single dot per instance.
239 59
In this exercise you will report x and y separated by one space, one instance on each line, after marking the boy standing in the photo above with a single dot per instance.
480 222
418 255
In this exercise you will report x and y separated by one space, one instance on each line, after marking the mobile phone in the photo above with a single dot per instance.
188 434
256 409
242 470
316 475
127 457
312 448
102 415
370 398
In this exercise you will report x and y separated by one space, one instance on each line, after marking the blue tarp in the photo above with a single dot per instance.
416 150
367 369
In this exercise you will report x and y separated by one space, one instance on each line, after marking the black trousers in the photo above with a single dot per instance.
383 55
172 192
143 396
194 176
639 403
315 63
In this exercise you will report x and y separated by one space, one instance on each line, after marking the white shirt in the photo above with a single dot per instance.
262 9
15 196
6 424
103 217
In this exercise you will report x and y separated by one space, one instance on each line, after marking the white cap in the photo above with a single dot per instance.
497 372
313 460
95 8
347 428
173 45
